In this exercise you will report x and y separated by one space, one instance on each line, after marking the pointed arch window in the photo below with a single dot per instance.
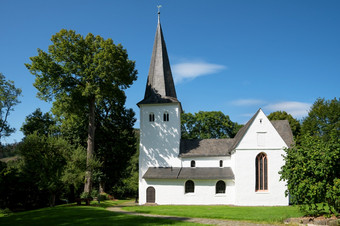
261 170
220 187
166 117
193 163
151 117
189 186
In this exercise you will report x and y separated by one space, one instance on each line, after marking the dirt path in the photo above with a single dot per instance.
118 209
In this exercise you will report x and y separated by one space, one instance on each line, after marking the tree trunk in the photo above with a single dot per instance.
101 187
90 145
52 199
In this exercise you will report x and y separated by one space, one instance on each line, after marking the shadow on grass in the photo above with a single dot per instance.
79 215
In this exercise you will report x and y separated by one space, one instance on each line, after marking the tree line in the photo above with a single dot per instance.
87 143
84 145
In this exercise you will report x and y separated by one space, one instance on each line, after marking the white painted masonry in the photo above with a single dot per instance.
165 159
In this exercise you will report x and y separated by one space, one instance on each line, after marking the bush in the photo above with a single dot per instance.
104 196
5 211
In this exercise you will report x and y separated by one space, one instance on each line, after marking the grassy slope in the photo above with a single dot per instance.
80 215
254 214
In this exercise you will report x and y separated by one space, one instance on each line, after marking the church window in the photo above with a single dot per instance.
166 117
261 170
221 163
151 117
189 186
220 187
193 163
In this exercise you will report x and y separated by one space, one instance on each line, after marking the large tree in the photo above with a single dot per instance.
282 115
42 124
208 124
116 142
44 162
323 119
80 72
312 167
8 99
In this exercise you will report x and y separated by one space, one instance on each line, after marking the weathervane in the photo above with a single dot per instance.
159 6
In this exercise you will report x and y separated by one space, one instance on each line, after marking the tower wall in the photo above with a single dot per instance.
159 140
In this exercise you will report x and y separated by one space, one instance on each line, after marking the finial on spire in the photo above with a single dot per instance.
159 7
159 12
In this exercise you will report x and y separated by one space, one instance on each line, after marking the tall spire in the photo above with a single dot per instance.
160 86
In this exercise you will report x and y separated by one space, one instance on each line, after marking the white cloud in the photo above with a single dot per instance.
296 109
247 102
192 70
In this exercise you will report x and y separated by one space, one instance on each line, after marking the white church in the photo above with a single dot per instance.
243 170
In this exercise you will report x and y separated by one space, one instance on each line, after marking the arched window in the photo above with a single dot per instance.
220 187
221 163
261 170
166 117
193 163
189 186
151 117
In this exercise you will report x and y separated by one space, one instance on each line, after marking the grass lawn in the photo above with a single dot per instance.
275 214
81 215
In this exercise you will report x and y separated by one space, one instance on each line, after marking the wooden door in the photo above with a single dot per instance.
150 195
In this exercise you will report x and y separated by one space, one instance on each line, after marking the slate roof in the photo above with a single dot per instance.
203 173
205 147
243 131
160 86
283 128
223 147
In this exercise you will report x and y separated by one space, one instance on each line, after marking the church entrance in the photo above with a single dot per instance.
150 195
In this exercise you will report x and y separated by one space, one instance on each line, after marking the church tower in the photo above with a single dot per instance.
160 116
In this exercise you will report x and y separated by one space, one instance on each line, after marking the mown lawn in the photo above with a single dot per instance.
275 214
81 215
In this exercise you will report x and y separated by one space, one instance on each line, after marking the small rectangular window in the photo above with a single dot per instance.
151 117
166 117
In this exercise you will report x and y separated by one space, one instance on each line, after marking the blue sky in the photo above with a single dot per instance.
229 56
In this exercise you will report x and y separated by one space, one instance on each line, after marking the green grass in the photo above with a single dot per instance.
81 215
275 214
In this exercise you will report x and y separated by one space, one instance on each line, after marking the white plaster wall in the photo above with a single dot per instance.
207 161
171 192
272 139
159 140
244 169
246 194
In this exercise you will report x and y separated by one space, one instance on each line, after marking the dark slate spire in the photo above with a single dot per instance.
160 86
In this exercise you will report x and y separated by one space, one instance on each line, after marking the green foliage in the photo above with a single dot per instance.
282 115
74 170
207 125
82 75
8 99
17 192
44 161
115 144
76 68
312 168
323 119
127 186
85 195
8 150
42 124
